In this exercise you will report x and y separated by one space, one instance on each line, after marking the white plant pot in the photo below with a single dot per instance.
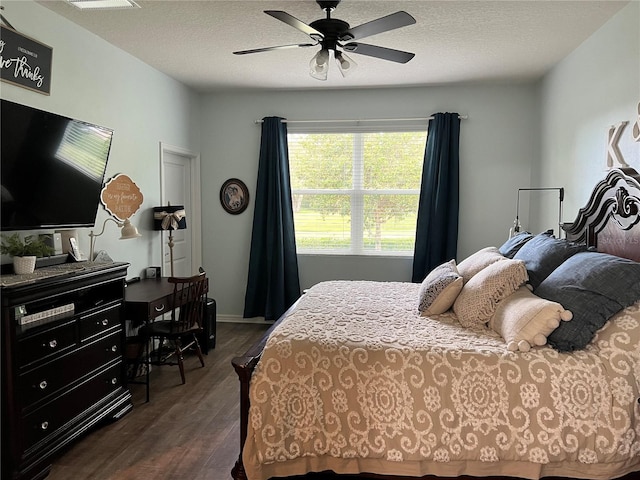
24 265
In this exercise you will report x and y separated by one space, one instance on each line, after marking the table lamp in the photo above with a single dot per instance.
127 231
171 217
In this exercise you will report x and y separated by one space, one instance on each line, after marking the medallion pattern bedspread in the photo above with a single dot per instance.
354 378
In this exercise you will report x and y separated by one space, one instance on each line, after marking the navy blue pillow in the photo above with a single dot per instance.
543 254
593 286
515 243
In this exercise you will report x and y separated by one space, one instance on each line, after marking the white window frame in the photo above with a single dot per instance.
357 193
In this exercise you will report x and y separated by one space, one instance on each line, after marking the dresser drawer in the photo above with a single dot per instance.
46 421
99 322
49 378
41 345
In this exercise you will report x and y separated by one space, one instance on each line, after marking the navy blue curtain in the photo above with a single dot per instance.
437 224
273 284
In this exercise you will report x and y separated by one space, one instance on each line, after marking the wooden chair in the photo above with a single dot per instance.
181 329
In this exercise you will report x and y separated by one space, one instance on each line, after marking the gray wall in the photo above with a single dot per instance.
595 87
498 144
99 83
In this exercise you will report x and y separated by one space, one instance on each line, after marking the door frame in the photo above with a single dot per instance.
195 216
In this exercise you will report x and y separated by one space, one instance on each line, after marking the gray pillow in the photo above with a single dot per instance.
543 254
594 286
515 243
440 289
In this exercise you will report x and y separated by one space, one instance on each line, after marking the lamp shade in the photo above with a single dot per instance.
319 65
346 65
170 217
128 231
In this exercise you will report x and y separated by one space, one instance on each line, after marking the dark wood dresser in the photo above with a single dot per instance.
63 340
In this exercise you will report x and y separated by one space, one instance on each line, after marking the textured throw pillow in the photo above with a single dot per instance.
525 320
515 243
594 286
479 297
542 255
440 289
471 265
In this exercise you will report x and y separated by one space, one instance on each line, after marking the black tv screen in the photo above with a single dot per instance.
51 169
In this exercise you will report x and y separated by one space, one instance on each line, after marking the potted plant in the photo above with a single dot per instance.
24 252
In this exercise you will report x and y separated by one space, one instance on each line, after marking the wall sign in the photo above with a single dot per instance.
615 159
121 197
24 61
613 151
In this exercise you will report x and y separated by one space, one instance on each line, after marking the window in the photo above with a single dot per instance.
356 192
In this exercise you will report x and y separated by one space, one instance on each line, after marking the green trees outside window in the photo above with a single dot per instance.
356 193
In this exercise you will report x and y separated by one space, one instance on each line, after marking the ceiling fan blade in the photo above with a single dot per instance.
379 52
269 49
295 23
383 24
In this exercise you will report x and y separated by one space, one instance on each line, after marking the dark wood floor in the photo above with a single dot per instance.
186 431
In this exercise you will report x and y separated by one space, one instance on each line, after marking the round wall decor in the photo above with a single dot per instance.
234 196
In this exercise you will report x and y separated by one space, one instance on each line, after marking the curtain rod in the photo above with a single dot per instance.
461 117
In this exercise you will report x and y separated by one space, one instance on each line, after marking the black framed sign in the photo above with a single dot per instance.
24 61
234 196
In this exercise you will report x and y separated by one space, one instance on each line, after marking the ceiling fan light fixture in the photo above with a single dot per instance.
346 64
319 65
330 32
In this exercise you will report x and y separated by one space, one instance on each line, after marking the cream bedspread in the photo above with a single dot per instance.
355 380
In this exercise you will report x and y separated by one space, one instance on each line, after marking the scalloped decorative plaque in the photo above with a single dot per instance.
121 197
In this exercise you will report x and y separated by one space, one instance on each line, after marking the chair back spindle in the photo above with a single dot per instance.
190 293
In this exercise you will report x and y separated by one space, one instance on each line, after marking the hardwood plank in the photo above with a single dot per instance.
185 431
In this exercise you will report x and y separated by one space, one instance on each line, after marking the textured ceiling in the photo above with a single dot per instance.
454 41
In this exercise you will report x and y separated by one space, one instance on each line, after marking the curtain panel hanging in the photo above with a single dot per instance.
437 223
273 284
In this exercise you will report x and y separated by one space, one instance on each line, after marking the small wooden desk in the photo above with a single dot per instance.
146 300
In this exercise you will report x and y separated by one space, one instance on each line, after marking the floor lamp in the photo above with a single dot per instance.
171 217
516 223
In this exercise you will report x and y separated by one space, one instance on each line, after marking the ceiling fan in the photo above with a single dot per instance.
331 33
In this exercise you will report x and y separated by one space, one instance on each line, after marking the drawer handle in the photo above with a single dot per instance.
114 348
160 308
44 425
43 384
104 322
114 381
52 343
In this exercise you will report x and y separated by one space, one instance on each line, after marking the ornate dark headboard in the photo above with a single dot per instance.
610 219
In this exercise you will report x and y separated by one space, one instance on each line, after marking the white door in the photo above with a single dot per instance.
180 186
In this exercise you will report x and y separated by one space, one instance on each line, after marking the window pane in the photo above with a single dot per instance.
390 222
356 193
322 221
393 159
320 161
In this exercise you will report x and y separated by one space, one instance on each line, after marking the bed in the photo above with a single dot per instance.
368 380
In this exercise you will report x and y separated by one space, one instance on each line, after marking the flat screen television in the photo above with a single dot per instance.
51 169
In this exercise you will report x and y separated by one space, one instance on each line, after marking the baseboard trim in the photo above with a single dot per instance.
239 319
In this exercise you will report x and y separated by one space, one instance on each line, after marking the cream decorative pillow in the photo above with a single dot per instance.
440 289
480 260
479 297
525 320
